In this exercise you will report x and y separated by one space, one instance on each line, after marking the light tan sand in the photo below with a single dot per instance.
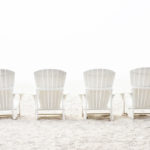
96 133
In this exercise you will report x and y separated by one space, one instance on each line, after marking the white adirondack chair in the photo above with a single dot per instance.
8 107
98 84
140 82
49 94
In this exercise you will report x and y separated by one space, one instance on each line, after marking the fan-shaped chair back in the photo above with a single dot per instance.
6 89
140 82
98 83
50 84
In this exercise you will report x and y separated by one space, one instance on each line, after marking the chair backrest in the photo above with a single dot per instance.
140 82
50 84
7 78
98 83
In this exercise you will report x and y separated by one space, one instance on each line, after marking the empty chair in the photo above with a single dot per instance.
140 82
98 84
49 92
7 104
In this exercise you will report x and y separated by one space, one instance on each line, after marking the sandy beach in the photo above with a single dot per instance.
74 133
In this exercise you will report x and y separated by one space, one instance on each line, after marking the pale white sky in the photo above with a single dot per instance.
74 35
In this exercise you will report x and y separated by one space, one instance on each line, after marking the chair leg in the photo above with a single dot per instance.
19 111
36 107
85 115
63 116
111 109
36 115
14 115
132 116
111 115
82 114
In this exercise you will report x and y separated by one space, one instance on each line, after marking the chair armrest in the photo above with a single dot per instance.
131 94
34 96
17 103
113 95
123 95
65 96
82 96
83 100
